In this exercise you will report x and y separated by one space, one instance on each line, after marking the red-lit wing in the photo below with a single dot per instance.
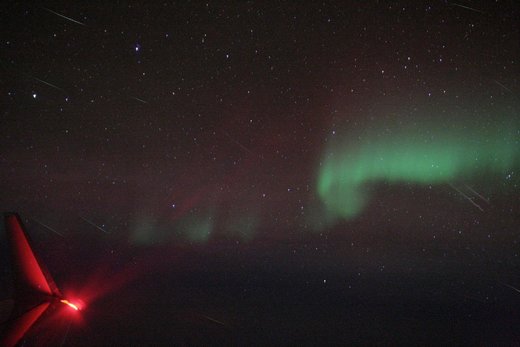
28 273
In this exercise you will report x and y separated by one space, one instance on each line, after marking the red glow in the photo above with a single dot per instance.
26 265
70 304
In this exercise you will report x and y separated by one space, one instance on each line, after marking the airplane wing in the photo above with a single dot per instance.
29 274
34 288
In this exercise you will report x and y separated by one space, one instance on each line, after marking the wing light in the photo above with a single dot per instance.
70 304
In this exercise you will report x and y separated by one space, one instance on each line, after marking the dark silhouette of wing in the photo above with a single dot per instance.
18 327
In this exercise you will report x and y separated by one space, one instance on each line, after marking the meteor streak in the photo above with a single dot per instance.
239 144
510 286
49 84
48 227
66 335
467 198
65 17
468 8
94 225
141 100
476 193
212 319
503 86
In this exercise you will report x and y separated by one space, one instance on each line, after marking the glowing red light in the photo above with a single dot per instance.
70 304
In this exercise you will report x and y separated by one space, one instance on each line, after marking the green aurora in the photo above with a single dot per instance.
423 153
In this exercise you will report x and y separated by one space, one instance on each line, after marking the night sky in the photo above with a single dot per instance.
268 173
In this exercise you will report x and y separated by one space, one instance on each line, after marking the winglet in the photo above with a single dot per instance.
29 274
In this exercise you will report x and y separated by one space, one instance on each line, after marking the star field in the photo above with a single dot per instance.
289 170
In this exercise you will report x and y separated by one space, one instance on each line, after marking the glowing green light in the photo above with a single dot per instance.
195 227
421 153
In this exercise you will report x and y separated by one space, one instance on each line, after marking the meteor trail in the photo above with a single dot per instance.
48 227
94 225
66 335
468 8
49 84
141 100
212 319
476 193
238 143
65 17
467 198
510 286
503 86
